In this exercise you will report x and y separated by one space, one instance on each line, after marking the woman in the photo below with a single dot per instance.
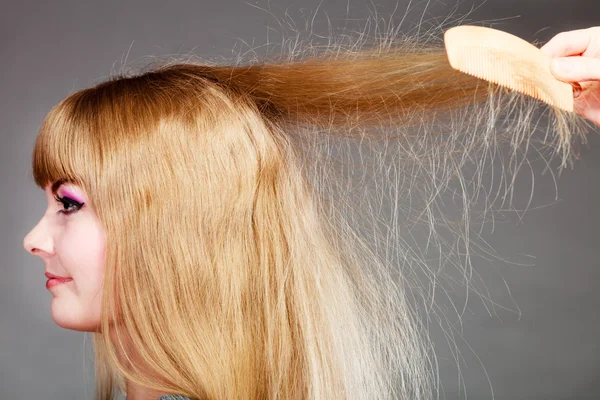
189 228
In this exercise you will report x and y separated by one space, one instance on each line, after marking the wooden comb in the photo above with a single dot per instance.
508 61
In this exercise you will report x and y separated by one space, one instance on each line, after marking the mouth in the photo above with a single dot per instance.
52 276
52 282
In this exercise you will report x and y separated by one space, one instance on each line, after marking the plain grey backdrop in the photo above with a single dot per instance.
549 349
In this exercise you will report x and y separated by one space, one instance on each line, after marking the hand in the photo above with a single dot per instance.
576 59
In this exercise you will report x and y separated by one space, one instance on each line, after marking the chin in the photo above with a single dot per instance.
73 320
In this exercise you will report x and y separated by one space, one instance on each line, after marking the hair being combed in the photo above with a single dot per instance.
244 259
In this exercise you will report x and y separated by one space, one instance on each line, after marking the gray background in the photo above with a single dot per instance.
548 350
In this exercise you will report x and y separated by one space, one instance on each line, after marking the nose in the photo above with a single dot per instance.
39 241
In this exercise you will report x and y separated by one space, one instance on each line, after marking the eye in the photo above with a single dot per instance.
70 205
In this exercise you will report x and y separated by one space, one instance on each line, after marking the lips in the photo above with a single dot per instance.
51 276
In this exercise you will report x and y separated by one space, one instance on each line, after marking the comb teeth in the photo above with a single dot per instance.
508 61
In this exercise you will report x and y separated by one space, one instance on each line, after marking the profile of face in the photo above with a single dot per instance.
70 240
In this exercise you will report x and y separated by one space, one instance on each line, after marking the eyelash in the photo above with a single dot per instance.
68 202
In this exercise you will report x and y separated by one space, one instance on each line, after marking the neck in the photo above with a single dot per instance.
135 391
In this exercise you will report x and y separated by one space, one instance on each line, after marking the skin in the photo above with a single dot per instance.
576 59
71 246
69 238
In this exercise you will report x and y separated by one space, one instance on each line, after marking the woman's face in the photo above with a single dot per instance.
70 240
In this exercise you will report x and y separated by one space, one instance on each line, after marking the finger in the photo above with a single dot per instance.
588 106
568 43
588 103
576 69
580 87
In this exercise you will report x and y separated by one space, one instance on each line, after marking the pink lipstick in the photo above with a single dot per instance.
54 280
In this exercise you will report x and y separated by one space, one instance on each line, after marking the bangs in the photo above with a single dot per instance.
66 149
93 132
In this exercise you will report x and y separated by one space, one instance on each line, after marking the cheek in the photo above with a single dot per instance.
81 253
80 250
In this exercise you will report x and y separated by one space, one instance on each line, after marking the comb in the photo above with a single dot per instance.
508 61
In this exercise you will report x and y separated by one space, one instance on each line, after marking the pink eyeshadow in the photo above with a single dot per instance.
69 194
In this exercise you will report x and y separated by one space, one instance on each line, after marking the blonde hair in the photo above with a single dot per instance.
235 263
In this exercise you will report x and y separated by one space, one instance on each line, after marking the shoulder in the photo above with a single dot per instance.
173 397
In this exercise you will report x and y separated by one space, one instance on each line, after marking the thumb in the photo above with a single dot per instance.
576 69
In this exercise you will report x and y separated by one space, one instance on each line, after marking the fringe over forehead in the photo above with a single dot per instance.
88 135
66 148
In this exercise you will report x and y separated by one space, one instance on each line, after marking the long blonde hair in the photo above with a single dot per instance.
235 266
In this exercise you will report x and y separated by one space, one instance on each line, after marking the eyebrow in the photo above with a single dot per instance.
57 184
